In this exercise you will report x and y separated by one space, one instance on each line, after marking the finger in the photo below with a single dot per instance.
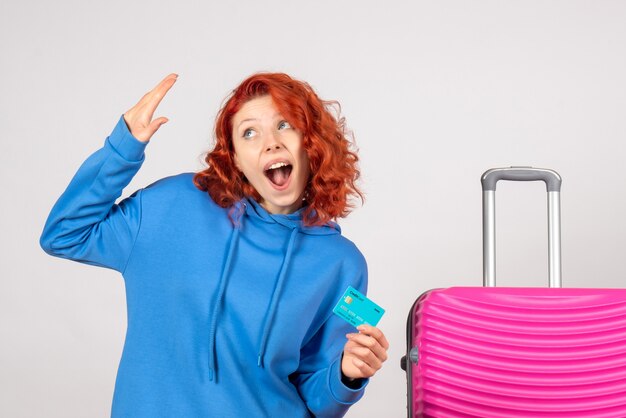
370 343
375 333
351 344
366 370
148 96
156 95
366 355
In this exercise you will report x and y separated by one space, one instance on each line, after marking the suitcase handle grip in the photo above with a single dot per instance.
553 187
550 177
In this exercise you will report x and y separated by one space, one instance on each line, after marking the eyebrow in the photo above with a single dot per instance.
246 120
275 116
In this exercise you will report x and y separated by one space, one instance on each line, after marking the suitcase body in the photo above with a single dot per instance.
517 352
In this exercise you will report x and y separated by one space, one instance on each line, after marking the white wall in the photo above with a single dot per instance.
436 92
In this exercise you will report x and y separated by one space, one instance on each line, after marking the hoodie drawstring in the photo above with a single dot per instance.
269 316
218 302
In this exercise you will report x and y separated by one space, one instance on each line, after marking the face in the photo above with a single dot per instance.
269 152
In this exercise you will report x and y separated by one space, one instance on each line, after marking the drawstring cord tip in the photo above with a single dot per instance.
259 362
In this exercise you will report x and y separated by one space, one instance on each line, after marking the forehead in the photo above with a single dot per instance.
257 108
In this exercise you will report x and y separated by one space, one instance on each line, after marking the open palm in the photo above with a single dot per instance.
139 117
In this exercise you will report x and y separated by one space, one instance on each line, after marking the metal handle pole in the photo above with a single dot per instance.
489 238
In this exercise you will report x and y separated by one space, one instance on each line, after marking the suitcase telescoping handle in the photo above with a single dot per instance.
553 186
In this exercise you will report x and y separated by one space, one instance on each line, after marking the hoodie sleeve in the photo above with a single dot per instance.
318 378
85 224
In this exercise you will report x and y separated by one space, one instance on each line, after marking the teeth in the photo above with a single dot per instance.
277 165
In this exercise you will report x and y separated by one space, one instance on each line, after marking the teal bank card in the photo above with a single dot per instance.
357 309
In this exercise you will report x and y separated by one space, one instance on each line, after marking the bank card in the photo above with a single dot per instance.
357 309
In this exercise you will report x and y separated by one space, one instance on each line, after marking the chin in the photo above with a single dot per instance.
284 205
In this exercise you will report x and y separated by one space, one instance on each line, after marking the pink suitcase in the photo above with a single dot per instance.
517 352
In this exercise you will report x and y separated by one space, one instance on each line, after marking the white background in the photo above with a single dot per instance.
436 92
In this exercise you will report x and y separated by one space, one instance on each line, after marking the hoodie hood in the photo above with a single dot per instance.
249 208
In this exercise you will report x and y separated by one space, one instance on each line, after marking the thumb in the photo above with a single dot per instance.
155 125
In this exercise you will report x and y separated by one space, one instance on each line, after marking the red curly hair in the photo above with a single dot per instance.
333 165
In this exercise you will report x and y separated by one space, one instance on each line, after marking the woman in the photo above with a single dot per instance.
231 274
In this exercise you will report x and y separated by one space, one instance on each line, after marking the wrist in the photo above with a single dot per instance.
351 382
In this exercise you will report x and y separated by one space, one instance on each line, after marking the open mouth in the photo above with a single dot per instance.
278 173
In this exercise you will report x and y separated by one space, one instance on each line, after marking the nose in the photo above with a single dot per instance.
271 142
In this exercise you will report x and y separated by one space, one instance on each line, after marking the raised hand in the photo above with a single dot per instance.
139 117
364 353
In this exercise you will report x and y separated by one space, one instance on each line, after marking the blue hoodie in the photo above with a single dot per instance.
225 319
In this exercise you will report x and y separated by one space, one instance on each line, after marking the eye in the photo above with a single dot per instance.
283 125
248 133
